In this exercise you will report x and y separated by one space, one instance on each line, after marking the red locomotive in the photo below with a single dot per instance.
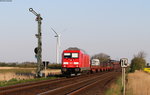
76 61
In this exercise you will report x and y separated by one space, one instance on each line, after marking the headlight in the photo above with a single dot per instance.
76 62
65 63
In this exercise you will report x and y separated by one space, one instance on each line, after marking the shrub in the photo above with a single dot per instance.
138 62
54 66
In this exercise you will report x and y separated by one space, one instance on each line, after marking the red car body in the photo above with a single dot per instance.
116 66
102 66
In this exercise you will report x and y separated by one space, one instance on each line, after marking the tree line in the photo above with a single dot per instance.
137 63
16 64
28 65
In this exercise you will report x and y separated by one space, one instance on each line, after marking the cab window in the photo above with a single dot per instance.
67 55
75 55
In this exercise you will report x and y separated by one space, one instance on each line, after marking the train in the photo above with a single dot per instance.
76 61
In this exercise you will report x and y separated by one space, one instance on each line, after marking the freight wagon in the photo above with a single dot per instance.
97 66
116 65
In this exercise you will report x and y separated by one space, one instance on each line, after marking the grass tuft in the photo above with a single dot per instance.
116 88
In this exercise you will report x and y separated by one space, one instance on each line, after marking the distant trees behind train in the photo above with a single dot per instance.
102 57
28 65
16 64
54 66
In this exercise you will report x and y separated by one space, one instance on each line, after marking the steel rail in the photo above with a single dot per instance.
77 85
75 92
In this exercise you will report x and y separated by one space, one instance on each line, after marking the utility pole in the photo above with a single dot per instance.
57 45
122 76
38 49
124 88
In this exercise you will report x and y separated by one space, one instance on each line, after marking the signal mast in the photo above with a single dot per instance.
38 49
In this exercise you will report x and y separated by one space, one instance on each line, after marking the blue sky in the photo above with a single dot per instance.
115 27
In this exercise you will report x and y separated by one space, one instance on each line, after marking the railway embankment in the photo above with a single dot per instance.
91 84
115 88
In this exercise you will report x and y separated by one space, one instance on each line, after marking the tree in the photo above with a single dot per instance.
138 62
102 57
141 54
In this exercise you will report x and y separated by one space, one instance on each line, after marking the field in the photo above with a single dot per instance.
147 70
138 83
49 72
8 73
16 75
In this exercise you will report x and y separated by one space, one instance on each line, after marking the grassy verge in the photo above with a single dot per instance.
15 81
115 88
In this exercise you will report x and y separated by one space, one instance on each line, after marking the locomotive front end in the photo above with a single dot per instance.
70 62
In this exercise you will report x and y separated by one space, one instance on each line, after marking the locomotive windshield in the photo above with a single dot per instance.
67 55
71 55
74 55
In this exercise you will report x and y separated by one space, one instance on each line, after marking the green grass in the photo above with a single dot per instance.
15 81
116 88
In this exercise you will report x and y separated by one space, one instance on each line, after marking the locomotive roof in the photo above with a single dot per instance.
75 48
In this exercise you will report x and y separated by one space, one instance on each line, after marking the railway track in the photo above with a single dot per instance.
76 88
64 86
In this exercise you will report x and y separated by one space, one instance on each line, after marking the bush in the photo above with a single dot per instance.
138 62
54 66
